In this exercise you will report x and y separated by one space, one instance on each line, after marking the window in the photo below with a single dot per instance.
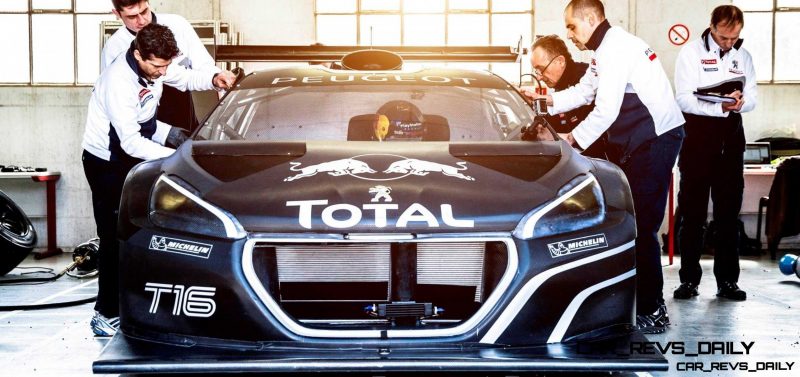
769 28
428 23
52 42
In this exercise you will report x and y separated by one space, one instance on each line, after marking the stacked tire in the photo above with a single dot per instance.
17 236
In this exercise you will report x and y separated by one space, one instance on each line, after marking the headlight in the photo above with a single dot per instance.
579 205
176 207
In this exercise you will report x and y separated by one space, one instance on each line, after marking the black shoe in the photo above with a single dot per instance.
685 291
731 291
655 323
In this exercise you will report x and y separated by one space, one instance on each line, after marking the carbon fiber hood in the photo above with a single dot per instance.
371 187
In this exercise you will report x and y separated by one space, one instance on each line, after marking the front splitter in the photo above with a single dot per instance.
128 355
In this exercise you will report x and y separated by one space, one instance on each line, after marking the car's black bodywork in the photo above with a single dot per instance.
283 240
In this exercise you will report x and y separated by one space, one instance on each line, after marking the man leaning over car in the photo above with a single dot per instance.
121 131
177 106
635 107
552 63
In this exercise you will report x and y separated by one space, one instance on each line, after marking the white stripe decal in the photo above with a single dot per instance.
524 294
566 319
274 308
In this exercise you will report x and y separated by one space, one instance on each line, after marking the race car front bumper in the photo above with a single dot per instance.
128 355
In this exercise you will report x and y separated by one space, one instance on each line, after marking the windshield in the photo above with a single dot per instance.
368 113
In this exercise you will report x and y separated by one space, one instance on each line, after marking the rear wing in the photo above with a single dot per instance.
273 53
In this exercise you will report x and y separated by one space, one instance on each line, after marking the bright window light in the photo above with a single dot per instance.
424 30
53 49
52 4
16 70
511 5
336 6
369 5
93 6
88 48
787 46
337 30
380 30
468 4
423 6
468 30
14 5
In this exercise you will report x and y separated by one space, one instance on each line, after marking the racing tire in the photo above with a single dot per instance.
17 236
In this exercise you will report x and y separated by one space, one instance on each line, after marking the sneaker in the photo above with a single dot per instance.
685 291
655 323
730 290
103 326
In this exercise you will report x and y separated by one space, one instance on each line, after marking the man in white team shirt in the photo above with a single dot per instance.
121 131
177 107
711 160
636 109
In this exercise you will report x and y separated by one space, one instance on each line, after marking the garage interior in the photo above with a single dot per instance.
46 82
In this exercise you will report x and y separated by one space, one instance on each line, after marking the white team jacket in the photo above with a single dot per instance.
699 65
122 110
193 54
623 63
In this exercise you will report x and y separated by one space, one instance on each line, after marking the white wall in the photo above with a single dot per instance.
43 126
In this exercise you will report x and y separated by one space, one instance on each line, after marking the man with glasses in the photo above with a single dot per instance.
552 64
711 159
177 106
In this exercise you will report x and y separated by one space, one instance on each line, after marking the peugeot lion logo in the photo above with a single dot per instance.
357 168
381 192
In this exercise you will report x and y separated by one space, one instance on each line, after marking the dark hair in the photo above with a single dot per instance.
119 4
156 40
580 7
727 15
553 45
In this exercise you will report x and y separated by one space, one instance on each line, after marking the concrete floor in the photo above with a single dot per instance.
58 342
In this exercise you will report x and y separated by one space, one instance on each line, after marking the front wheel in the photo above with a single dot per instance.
17 236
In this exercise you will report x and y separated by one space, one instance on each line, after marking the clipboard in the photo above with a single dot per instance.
714 98
717 92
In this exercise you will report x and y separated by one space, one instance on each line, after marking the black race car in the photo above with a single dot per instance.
353 220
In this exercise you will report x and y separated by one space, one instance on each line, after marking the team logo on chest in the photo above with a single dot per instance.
145 95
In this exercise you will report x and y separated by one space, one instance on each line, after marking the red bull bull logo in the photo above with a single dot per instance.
356 167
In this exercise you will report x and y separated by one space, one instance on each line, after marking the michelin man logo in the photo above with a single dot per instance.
558 249
381 192
158 243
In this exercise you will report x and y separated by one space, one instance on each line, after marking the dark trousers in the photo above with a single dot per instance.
649 172
711 161
106 179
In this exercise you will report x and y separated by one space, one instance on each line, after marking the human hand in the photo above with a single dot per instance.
733 106
176 137
568 138
736 94
537 132
224 80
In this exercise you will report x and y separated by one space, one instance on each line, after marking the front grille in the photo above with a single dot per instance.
315 282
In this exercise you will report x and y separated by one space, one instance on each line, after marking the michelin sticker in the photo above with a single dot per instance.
577 245
174 245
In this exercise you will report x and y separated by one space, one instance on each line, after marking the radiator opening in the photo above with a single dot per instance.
380 285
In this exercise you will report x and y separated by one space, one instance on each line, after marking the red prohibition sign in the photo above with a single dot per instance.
678 34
